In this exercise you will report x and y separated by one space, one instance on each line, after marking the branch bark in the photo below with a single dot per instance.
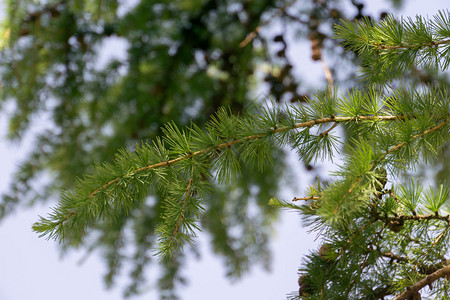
428 280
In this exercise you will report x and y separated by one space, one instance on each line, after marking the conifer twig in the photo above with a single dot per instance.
252 137
394 256
415 137
416 218
306 198
423 268
392 149
167 163
328 130
440 236
249 37
406 47
428 280
181 216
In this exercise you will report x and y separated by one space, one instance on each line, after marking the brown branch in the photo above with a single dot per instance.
249 37
431 44
429 269
415 218
393 256
306 198
328 130
423 268
428 280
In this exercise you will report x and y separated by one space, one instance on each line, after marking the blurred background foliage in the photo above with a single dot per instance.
104 75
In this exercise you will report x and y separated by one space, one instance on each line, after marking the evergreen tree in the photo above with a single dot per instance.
175 49
183 60
384 234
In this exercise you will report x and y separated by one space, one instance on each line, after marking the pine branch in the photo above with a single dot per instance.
182 158
242 140
430 130
390 48
346 212
374 164
224 145
423 268
381 46
418 218
428 280
393 256
356 182
306 198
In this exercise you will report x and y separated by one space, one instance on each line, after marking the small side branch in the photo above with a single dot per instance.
428 280
394 256
181 216
419 218
422 268
306 198
249 37
415 137
329 129
407 47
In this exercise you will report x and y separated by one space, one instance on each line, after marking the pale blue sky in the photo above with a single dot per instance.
31 268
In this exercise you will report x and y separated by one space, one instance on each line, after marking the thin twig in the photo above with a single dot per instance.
350 240
431 44
306 198
440 236
437 239
423 268
415 137
415 218
393 256
255 32
328 130
250 37
328 76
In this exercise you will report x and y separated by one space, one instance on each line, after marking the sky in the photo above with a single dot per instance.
32 268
